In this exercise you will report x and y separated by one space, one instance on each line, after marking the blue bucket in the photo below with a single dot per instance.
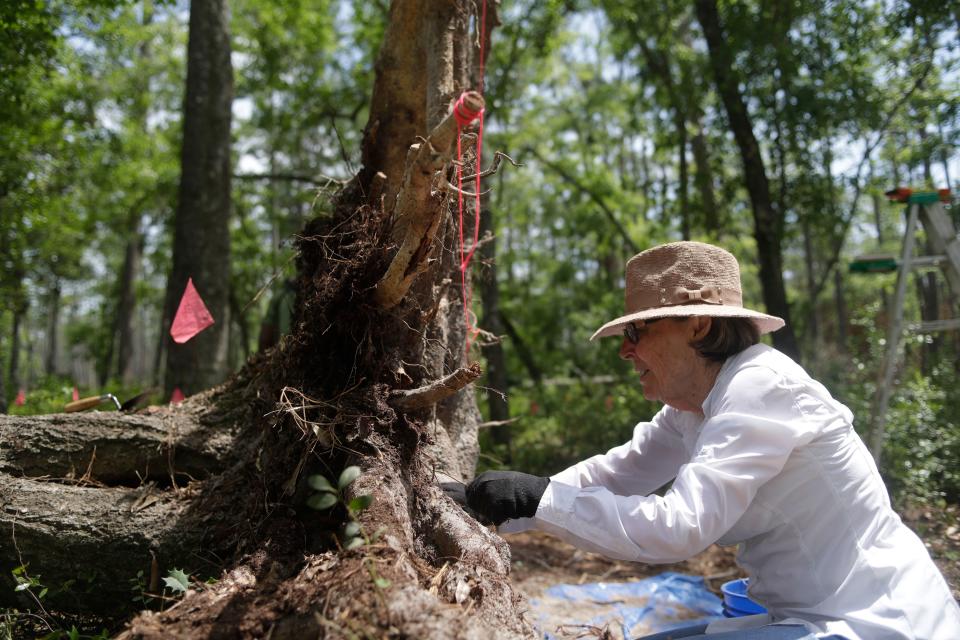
736 602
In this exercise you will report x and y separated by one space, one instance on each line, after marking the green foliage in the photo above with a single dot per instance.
26 582
329 496
177 581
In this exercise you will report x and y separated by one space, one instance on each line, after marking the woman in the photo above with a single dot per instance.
760 455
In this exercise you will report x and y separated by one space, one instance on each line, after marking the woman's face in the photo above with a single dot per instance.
671 371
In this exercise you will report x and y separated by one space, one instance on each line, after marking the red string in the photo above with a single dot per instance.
464 116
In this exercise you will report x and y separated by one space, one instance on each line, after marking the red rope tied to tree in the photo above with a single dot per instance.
464 115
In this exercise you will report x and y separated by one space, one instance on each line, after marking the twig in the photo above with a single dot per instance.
498 156
431 394
266 286
496 423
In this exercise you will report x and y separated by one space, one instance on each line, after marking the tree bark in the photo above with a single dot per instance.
767 221
86 544
112 448
201 237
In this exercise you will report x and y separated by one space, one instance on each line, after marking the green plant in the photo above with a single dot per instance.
352 534
26 582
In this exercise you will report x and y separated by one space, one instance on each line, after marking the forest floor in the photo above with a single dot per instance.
540 560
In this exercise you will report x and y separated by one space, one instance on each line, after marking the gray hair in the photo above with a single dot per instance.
727 337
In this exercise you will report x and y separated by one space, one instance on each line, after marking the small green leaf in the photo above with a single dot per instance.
22 586
379 532
177 581
382 583
320 483
351 530
353 543
321 501
349 475
42 593
360 503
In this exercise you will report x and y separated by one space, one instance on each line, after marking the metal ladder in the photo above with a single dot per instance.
925 207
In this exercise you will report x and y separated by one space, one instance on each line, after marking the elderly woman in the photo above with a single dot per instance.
760 455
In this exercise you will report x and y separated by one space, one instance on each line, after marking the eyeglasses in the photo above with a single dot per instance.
632 332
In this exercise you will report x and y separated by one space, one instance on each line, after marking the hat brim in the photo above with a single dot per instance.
765 323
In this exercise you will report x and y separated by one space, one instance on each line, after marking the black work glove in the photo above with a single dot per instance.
457 491
504 495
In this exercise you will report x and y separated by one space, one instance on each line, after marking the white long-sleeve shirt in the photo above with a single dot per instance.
774 466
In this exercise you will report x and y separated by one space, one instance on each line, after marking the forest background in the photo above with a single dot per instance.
615 115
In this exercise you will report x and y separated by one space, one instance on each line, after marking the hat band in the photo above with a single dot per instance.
682 295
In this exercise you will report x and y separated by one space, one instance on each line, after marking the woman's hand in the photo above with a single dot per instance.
505 495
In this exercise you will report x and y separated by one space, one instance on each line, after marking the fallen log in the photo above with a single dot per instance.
86 545
113 448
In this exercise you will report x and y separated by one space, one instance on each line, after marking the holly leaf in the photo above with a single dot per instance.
177 581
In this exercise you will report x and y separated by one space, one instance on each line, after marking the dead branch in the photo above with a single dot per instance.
431 394
498 157
496 423
418 210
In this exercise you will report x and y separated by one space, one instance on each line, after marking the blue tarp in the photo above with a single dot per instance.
631 609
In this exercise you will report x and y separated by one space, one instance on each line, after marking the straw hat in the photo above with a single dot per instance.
684 279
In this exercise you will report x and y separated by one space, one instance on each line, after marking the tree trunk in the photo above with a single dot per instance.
843 317
53 329
127 301
14 376
767 222
703 178
201 236
3 389
126 308
498 405
374 375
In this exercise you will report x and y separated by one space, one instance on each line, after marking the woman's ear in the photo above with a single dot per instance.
700 326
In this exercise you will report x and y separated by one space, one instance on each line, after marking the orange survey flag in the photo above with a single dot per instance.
192 315
21 398
177 396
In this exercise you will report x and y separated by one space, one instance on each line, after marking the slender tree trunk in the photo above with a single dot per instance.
14 375
944 154
703 178
3 387
498 404
767 221
127 305
813 324
843 316
877 217
681 125
53 328
201 236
